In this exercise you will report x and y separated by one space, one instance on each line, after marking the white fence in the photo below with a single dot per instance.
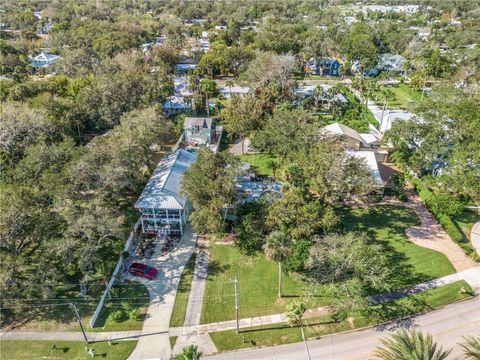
114 276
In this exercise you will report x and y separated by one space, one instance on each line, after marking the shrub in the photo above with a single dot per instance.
450 227
298 255
402 197
134 314
117 315
250 227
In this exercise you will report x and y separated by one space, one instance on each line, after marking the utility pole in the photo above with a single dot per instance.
77 315
305 342
236 302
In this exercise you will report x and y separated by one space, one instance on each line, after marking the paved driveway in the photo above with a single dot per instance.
154 340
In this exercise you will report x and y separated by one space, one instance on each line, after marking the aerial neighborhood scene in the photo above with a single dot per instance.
240 179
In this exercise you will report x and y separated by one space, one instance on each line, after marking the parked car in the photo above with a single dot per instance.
137 269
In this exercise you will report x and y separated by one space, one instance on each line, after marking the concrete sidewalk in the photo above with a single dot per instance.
70 335
471 276
194 306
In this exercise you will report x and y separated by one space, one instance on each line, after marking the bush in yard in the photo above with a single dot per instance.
126 306
250 228
117 315
298 255
445 204
134 314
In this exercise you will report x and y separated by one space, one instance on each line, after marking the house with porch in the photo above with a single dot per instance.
164 210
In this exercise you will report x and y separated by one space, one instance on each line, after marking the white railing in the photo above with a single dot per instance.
114 276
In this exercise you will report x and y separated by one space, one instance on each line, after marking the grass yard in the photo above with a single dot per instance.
282 333
465 222
129 300
401 96
261 163
181 299
257 286
410 264
173 341
126 310
23 350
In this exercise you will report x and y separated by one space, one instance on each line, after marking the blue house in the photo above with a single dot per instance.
323 67
329 67
43 60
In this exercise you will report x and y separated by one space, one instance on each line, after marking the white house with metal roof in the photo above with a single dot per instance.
163 209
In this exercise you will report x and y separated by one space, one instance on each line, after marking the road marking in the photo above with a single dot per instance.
463 326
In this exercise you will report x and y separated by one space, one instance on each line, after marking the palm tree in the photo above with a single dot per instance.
189 352
410 345
208 88
471 347
318 94
277 248
295 316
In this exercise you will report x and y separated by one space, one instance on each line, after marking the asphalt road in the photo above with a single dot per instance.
446 325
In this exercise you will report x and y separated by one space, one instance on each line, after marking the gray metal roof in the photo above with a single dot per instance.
340 129
163 188
199 121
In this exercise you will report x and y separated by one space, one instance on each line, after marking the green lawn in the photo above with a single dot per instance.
181 299
410 264
257 286
465 222
130 298
23 350
387 224
173 341
401 97
282 333
261 163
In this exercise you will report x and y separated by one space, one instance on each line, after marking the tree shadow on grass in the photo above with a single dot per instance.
386 225
215 268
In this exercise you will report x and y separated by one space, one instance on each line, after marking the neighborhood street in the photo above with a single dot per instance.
447 326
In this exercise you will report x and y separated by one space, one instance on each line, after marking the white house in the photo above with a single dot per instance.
185 65
164 209
389 62
43 60
176 103
181 86
232 91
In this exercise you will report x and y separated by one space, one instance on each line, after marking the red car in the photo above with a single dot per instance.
137 269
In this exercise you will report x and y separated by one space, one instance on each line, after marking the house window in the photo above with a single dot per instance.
196 129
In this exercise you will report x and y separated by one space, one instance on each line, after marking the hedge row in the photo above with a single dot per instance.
448 225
